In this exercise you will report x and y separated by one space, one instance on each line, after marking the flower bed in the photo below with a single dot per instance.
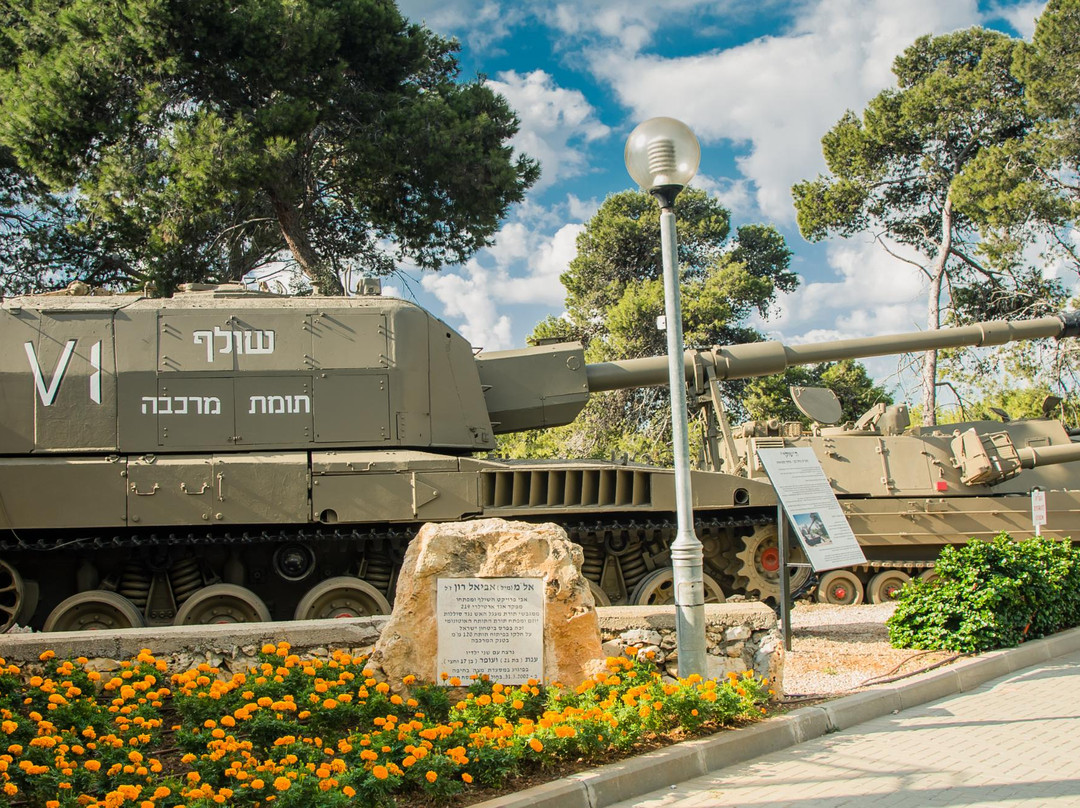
319 732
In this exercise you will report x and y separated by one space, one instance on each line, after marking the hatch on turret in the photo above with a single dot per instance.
817 403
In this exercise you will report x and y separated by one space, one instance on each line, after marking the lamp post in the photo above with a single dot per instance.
662 156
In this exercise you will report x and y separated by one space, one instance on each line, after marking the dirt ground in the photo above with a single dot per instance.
840 649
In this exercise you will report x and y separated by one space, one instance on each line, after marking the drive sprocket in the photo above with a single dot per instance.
759 565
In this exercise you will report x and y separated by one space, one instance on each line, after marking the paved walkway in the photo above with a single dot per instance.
1013 741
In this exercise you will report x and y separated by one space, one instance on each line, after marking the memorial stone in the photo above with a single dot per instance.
497 551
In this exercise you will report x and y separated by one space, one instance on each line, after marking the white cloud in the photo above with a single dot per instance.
734 194
1020 17
872 293
555 122
521 270
778 95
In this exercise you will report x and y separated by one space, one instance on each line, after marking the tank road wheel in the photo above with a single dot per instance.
658 589
760 564
599 596
840 587
885 586
222 603
928 576
11 595
343 596
94 610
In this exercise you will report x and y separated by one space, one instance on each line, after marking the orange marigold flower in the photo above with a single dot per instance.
431 776
380 773
466 777
282 783
536 745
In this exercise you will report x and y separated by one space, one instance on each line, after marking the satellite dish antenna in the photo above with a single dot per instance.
817 403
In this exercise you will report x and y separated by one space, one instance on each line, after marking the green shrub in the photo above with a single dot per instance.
991 595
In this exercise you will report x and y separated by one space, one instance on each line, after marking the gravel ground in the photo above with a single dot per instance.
837 649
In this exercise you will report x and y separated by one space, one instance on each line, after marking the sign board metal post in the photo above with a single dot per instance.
808 501
785 579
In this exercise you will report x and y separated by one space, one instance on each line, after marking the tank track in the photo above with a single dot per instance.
575 530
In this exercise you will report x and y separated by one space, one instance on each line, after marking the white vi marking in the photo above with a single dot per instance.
48 394
95 377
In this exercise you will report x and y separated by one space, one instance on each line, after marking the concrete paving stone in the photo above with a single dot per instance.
1064 642
1028 654
927 687
1010 741
860 707
641 774
973 673
565 793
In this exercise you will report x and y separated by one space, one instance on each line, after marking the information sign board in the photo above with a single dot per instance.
493 626
811 505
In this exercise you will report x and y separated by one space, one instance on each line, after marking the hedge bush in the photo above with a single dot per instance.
990 595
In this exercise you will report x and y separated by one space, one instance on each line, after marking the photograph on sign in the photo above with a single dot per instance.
811 529
820 525
493 626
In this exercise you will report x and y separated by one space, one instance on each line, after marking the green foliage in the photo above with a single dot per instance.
924 167
1025 188
614 295
893 169
769 397
991 595
209 136
41 248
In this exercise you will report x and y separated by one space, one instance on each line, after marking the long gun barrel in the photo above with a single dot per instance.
548 385
766 358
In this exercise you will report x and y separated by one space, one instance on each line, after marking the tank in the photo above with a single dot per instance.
233 456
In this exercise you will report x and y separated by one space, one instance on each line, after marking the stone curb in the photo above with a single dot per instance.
633 777
127 642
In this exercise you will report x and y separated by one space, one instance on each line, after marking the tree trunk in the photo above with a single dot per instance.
297 241
933 314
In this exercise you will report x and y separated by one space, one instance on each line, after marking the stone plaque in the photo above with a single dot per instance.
493 626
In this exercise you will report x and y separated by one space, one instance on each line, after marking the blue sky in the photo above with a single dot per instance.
758 82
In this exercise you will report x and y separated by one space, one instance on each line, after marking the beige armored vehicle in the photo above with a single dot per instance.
908 491
229 456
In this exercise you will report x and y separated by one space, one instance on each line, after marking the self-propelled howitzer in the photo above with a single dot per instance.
226 456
